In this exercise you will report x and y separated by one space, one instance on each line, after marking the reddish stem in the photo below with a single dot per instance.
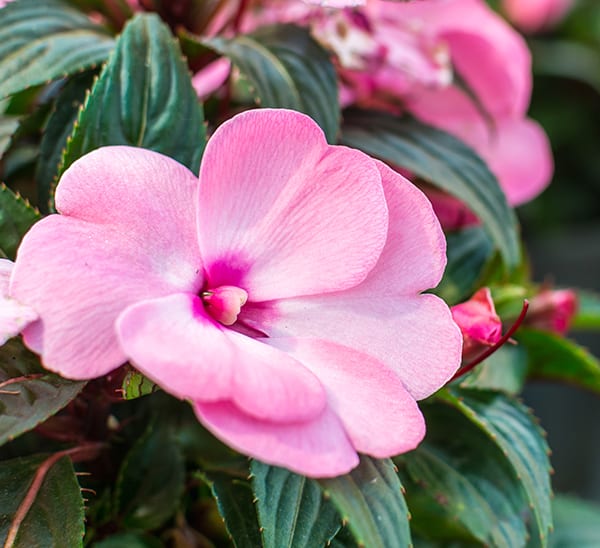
14 380
487 353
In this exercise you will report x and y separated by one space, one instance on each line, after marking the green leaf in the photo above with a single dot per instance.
509 425
292 510
551 356
16 217
370 500
468 251
442 160
8 126
129 540
505 370
151 481
143 97
576 523
28 394
459 479
288 69
52 509
588 311
235 501
42 41
59 128
135 385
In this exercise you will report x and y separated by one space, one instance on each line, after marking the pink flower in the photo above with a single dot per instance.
535 15
478 322
552 310
279 292
14 315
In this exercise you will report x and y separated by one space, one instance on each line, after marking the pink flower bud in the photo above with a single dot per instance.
478 322
552 310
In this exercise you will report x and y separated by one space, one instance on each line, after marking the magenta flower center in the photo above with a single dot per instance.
224 303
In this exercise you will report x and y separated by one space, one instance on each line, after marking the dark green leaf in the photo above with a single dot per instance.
468 251
54 515
576 523
129 540
505 370
288 69
16 217
8 125
151 481
588 312
444 161
370 500
144 97
551 356
59 127
235 501
291 509
28 394
42 41
512 429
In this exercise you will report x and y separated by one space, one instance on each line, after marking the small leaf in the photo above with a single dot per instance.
588 311
510 426
468 251
442 160
143 97
291 509
43 491
151 481
235 501
16 217
370 500
551 356
42 41
135 385
288 69
28 394
576 523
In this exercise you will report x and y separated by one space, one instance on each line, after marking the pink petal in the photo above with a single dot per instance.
14 316
211 77
281 213
176 344
126 234
317 448
378 414
384 317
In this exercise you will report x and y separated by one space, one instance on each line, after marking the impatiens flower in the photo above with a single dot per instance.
535 15
552 310
478 322
278 292
14 316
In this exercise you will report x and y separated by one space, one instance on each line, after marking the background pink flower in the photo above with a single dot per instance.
279 292
535 15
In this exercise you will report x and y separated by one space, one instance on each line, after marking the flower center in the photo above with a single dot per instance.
224 303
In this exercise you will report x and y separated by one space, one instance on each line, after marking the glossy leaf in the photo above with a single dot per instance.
16 216
551 356
58 129
576 523
370 500
143 97
513 430
42 41
459 479
442 160
151 481
588 312
287 69
292 510
236 504
28 394
468 251
52 508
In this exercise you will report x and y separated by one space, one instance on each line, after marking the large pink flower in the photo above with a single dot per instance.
279 292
